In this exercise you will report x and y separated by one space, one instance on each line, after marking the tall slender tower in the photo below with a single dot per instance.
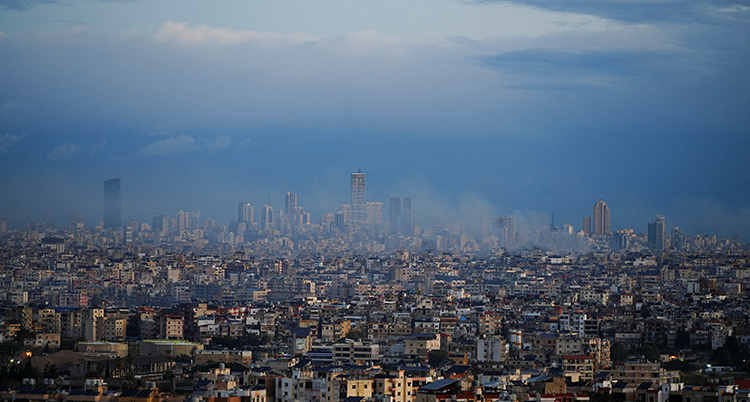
359 202
406 219
601 218
657 232
266 217
506 229
586 225
245 213
291 203
394 213
112 204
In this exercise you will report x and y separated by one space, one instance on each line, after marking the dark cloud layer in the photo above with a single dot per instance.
23 4
649 11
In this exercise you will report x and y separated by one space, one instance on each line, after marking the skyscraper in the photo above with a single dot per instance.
359 202
193 220
245 213
112 204
657 231
406 220
374 214
601 218
266 218
586 225
182 220
506 230
394 213
291 203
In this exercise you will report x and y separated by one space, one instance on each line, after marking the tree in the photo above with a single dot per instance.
183 359
437 357
681 365
650 352
683 340
50 371
617 352
354 334
28 370
645 310
730 354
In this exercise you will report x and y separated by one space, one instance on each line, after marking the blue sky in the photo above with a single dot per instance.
473 108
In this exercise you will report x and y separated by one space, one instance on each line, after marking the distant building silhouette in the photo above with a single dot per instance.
374 214
394 214
266 217
586 225
406 217
601 218
291 203
112 204
400 216
506 230
657 232
245 213
359 201
679 239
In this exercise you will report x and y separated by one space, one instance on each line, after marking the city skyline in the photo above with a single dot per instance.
470 108
398 213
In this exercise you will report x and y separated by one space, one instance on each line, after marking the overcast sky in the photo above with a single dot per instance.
472 108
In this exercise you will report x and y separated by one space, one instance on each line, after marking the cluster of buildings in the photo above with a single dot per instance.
522 325
356 308
357 227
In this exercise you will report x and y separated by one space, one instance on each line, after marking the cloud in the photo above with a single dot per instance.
98 147
23 4
184 144
7 140
640 11
64 151
180 32
172 145
220 142
561 62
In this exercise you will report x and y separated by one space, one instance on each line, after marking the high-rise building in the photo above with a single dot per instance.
245 213
194 220
601 218
586 225
74 223
291 203
374 213
679 239
182 220
278 219
620 240
160 224
406 217
112 204
394 214
657 232
506 230
359 201
266 217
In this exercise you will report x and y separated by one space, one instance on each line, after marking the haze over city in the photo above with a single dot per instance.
472 108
